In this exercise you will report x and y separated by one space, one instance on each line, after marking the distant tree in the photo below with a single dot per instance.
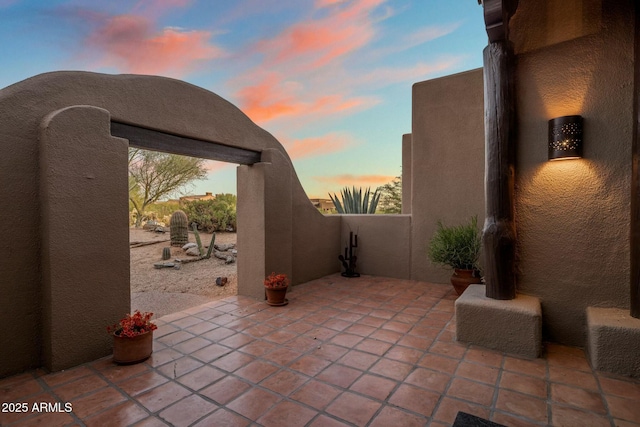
212 215
154 175
391 198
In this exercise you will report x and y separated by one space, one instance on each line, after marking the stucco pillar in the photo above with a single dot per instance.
85 237
264 222
407 143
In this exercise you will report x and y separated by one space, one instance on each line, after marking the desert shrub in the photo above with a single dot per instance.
212 215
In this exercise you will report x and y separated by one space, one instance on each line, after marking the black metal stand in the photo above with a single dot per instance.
350 267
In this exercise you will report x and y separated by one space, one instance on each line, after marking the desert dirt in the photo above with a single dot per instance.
167 290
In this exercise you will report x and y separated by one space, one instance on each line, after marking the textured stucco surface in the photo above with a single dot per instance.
513 326
447 166
384 244
573 216
614 341
157 103
82 177
406 173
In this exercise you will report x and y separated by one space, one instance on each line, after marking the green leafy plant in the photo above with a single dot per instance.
457 246
212 215
355 202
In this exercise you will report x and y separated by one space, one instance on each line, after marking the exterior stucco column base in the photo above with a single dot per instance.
614 341
513 326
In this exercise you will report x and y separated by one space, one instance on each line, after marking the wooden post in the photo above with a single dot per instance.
635 181
499 233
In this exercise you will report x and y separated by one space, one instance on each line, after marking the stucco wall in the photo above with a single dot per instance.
156 103
384 244
573 216
447 164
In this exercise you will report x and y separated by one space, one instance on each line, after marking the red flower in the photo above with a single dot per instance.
275 281
133 324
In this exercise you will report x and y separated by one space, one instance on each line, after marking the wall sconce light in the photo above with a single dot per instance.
565 138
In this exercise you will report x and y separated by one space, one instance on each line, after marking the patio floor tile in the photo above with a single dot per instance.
415 399
578 397
201 377
341 376
225 390
479 393
371 352
390 416
426 378
354 409
254 403
187 410
288 414
624 409
485 374
373 386
521 404
284 382
123 414
162 396
316 394
524 384
223 417
96 402
564 416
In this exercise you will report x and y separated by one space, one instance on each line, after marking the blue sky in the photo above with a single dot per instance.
330 79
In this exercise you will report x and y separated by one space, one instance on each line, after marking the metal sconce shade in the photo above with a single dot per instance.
565 138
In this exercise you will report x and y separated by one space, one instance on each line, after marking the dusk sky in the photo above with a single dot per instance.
330 79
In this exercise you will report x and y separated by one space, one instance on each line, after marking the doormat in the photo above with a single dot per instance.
467 420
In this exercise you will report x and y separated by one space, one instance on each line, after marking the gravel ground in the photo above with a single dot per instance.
167 290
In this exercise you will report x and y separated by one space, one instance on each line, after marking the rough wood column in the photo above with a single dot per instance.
499 233
635 181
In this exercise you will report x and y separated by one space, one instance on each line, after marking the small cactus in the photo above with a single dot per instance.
166 253
179 229
198 241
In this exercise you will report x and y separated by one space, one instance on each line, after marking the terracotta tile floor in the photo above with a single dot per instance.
368 352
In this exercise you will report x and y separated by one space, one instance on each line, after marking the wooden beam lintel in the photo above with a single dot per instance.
149 139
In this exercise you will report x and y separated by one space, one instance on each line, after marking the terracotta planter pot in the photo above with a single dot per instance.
461 279
276 296
129 350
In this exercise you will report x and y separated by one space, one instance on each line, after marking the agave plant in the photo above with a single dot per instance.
355 202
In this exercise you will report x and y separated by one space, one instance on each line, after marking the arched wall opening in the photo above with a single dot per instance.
178 286
62 156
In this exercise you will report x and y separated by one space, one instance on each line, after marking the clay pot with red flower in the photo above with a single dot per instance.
275 288
132 338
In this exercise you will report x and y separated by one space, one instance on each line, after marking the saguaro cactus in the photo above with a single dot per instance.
179 229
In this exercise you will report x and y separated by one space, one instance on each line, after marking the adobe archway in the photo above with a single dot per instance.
63 171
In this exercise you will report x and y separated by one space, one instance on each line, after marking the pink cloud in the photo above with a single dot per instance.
357 180
317 42
131 44
274 97
317 146
212 166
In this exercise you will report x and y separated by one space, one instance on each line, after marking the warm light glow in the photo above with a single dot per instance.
567 180
564 158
